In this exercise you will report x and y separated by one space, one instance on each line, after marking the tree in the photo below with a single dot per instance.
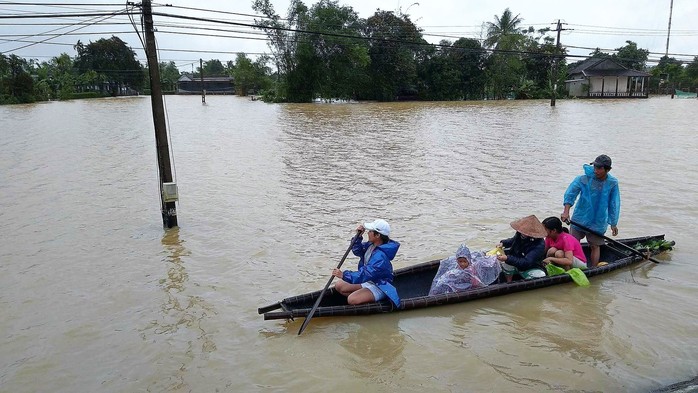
470 58
629 56
452 71
692 70
111 58
16 85
4 65
504 66
212 67
62 76
504 32
341 60
243 74
669 73
542 58
330 62
284 43
169 75
394 44
438 74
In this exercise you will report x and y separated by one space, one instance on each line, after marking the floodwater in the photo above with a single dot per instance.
96 296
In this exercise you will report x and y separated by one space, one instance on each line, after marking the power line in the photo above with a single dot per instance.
623 28
215 11
59 35
64 15
66 34
264 27
63 4
616 50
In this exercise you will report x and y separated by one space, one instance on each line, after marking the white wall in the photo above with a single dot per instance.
609 84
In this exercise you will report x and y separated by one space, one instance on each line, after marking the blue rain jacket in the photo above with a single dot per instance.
599 201
378 268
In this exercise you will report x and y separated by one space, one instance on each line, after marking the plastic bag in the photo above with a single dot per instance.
495 251
578 277
554 270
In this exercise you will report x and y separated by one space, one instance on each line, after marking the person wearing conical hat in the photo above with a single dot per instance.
523 251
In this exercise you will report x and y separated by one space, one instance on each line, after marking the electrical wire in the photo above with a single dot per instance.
328 36
59 35
214 11
53 4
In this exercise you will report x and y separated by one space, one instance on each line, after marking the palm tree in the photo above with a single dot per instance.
504 33
505 66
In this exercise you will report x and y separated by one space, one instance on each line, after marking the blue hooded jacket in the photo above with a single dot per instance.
599 201
378 269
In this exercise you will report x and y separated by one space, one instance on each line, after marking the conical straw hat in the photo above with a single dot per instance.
530 226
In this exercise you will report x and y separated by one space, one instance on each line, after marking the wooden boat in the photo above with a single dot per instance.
413 283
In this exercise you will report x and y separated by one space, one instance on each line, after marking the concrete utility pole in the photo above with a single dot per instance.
668 32
203 90
555 61
168 207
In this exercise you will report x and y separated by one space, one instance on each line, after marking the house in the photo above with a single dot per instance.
187 84
604 78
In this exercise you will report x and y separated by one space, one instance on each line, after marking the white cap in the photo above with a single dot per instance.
380 226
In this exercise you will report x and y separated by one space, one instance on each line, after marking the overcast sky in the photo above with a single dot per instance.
606 24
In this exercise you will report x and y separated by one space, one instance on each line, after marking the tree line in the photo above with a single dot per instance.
108 67
327 51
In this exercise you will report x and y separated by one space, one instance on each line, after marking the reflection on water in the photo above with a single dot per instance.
374 347
181 311
375 351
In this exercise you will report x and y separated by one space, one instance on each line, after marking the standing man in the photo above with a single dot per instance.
598 205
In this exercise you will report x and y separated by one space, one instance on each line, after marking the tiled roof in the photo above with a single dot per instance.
603 67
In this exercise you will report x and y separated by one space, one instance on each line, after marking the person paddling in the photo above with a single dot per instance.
598 205
372 282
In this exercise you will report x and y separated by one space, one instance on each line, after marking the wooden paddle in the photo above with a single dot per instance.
614 242
319 299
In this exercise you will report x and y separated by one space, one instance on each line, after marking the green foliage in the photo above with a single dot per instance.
16 85
504 32
385 58
213 67
504 66
654 246
452 72
470 59
324 64
341 61
692 70
250 76
629 56
112 59
169 74
668 75
395 43
327 51
439 78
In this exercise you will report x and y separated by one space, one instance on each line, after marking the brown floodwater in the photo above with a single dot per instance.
96 296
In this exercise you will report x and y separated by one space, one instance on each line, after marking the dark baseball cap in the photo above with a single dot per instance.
602 160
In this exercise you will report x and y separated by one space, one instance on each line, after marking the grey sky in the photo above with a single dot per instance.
606 24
